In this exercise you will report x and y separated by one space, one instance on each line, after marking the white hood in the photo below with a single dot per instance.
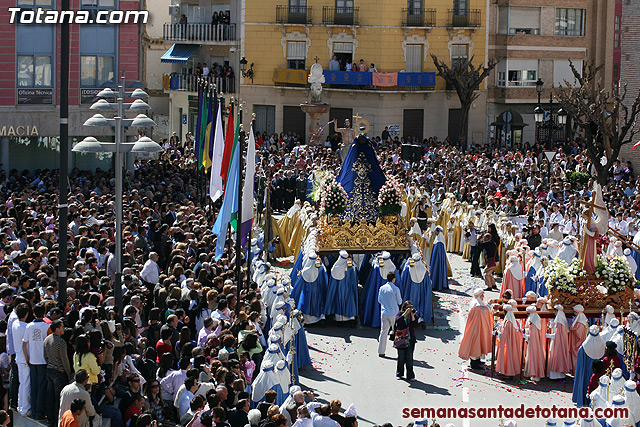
309 270
418 270
388 266
594 346
339 269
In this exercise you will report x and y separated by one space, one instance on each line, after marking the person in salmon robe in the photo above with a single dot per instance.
476 340
541 305
577 334
534 359
513 279
509 347
559 359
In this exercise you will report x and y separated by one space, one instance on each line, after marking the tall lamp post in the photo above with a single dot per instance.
143 145
538 114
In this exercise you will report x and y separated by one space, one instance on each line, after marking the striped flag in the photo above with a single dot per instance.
208 138
196 147
229 203
228 146
202 123
247 192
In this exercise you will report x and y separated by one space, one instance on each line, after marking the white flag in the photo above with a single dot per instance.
215 185
247 191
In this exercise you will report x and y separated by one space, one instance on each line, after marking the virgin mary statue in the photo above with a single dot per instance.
361 177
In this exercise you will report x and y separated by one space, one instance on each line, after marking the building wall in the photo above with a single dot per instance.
379 38
630 68
379 109
45 118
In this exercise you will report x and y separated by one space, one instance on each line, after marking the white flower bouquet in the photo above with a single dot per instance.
561 277
615 273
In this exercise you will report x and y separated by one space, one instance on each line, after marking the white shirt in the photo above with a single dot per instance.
150 272
19 329
35 334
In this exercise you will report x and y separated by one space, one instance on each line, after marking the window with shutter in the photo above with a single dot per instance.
414 58
296 50
340 47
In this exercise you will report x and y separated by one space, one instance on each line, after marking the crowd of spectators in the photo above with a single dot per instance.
189 342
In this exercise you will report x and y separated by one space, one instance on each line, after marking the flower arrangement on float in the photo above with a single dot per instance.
561 276
390 197
615 273
333 199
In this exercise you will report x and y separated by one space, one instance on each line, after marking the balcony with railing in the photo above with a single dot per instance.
340 15
418 17
189 82
294 14
198 33
464 18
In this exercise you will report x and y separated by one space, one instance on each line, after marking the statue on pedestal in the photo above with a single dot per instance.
316 78
593 228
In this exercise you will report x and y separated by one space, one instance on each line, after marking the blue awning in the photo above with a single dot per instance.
179 53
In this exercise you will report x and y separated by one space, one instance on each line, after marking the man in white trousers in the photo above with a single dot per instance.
390 301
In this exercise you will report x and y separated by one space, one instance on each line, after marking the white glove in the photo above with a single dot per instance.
289 358
494 332
551 336
525 336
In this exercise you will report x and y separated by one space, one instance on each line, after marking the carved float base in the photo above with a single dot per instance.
589 297
387 234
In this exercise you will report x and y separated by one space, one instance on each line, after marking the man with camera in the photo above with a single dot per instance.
471 236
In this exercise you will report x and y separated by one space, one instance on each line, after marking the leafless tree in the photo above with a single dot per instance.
607 121
465 78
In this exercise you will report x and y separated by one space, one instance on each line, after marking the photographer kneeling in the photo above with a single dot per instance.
405 339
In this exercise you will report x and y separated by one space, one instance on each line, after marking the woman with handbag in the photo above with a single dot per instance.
405 340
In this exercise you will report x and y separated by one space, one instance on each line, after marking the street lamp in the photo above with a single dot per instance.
143 145
539 84
538 114
243 69
562 116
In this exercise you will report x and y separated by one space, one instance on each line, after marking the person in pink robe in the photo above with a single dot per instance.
534 359
513 279
509 348
577 334
476 340
559 358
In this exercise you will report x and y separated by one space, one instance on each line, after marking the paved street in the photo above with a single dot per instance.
346 366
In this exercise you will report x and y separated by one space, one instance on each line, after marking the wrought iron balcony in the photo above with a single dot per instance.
464 18
418 17
294 14
340 15
199 32
189 82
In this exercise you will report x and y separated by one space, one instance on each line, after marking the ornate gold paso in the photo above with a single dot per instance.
388 234
589 296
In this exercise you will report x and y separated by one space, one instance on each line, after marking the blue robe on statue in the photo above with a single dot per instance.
439 274
636 258
342 294
362 178
371 312
419 293
542 287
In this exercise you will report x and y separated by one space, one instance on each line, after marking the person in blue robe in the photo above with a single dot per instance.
297 266
591 349
310 289
439 274
378 277
365 269
301 357
342 294
362 178
531 283
416 284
